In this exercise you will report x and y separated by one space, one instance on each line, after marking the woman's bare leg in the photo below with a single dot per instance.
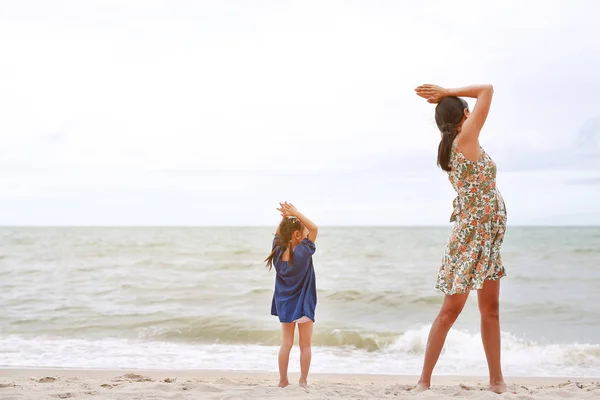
305 331
449 312
489 307
287 342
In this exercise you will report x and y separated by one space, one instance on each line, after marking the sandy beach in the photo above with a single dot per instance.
213 385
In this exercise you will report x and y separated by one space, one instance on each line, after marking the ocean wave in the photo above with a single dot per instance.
241 251
586 250
384 298
203 330
333 351
224 331
467 348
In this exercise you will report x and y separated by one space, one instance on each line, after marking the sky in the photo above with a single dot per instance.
148 112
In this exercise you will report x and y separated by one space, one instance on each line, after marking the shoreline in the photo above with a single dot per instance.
211 373
44 383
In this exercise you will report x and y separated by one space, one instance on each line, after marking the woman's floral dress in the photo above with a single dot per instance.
472 254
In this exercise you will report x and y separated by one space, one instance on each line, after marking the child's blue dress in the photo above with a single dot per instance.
295 285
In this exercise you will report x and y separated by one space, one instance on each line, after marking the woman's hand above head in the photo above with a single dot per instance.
473 122
432 93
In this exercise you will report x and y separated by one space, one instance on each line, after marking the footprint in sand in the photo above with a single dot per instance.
224 381
207 388
109 385
137 378
63 395
47 379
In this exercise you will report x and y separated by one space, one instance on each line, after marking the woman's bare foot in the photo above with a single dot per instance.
421 387
284 383
499 388
303 384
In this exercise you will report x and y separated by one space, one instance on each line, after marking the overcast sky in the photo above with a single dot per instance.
146 112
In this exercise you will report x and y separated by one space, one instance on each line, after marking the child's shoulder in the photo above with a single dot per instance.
307 247
308 242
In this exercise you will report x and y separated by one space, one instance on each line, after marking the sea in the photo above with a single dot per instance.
200 298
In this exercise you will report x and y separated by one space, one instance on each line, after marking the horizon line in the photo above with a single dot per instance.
270 226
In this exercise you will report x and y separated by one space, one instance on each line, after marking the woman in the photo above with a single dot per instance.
472 257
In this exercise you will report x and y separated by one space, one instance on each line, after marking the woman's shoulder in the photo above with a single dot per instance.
458 158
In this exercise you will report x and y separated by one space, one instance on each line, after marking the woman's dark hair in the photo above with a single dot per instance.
283 239
449 113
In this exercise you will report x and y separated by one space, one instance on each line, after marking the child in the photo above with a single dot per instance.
295 297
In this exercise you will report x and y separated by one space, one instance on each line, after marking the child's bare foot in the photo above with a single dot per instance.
499 387
303 384
421 387
283 383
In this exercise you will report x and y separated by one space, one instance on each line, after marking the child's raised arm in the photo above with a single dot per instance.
288 210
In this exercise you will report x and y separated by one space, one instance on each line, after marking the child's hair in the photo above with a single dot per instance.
283 239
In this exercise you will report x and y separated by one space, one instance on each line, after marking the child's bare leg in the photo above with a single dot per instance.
305 330
287 342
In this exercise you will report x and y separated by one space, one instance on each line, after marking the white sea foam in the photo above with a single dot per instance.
463 355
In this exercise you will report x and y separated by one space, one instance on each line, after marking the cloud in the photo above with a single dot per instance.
584 181
588 137
58 136
156 112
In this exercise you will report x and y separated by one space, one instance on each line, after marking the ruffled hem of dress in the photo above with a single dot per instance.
476 286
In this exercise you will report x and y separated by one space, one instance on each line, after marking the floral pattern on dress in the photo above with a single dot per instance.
472 254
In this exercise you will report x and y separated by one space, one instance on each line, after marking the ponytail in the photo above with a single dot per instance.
449 133
290 254
276 244
449 114
283 240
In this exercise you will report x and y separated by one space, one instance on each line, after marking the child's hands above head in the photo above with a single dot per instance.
287 210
